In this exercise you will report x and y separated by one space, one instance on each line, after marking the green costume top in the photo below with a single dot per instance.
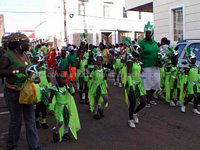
118 64
86 55
150 59
72 59
15 64
193 75
98 82
193 81
63 64
43 79
83 63
136 70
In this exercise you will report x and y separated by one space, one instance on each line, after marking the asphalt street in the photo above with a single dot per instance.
161 127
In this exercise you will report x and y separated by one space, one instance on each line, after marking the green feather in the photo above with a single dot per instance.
148 27
127 41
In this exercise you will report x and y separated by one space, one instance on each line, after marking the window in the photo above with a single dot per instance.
81 9
178 24
180 48
140 15
124 13
196 47
106 11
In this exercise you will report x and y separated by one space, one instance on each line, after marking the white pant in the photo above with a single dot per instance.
151 78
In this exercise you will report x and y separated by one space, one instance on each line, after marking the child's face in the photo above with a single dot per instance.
62 79
99 61
37 80
193 61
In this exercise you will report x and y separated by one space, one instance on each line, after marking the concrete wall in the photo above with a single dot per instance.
163 20
93 22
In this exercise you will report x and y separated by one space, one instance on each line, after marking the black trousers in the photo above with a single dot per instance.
41 107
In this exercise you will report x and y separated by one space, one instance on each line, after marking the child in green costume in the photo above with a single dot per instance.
42 101
193 80
135 93
98 89
118 65
174 78
82 77
66 113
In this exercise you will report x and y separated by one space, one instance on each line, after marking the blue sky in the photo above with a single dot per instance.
22 21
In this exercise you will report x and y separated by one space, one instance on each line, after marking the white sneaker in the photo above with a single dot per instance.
152 102
136 119
172 103
148 105
83 96
120 85
178 103
115 83
196 111
183 109
131 123
77 86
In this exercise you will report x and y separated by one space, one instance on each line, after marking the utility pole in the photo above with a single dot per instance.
65 22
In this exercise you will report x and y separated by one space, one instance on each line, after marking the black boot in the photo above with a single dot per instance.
44 126
67 137
37 124
55 137
97 117
101 113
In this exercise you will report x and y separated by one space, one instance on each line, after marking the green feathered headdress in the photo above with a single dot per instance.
189 53
149 27
84 37
127 41
171 52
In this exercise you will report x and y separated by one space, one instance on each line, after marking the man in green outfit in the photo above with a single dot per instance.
63 64
72 63
151 71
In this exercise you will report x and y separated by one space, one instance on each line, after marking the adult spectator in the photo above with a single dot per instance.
15 61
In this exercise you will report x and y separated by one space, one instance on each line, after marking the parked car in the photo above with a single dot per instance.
191 43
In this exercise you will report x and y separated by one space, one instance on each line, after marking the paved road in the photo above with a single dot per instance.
161 128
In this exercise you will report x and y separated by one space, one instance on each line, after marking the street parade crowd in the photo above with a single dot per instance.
145 69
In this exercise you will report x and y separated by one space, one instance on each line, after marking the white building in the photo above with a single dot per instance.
174 19
103 20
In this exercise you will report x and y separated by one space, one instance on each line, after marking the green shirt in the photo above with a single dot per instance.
150 59
72 59
63 64
15 64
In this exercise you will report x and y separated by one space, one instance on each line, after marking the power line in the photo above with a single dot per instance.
27 12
